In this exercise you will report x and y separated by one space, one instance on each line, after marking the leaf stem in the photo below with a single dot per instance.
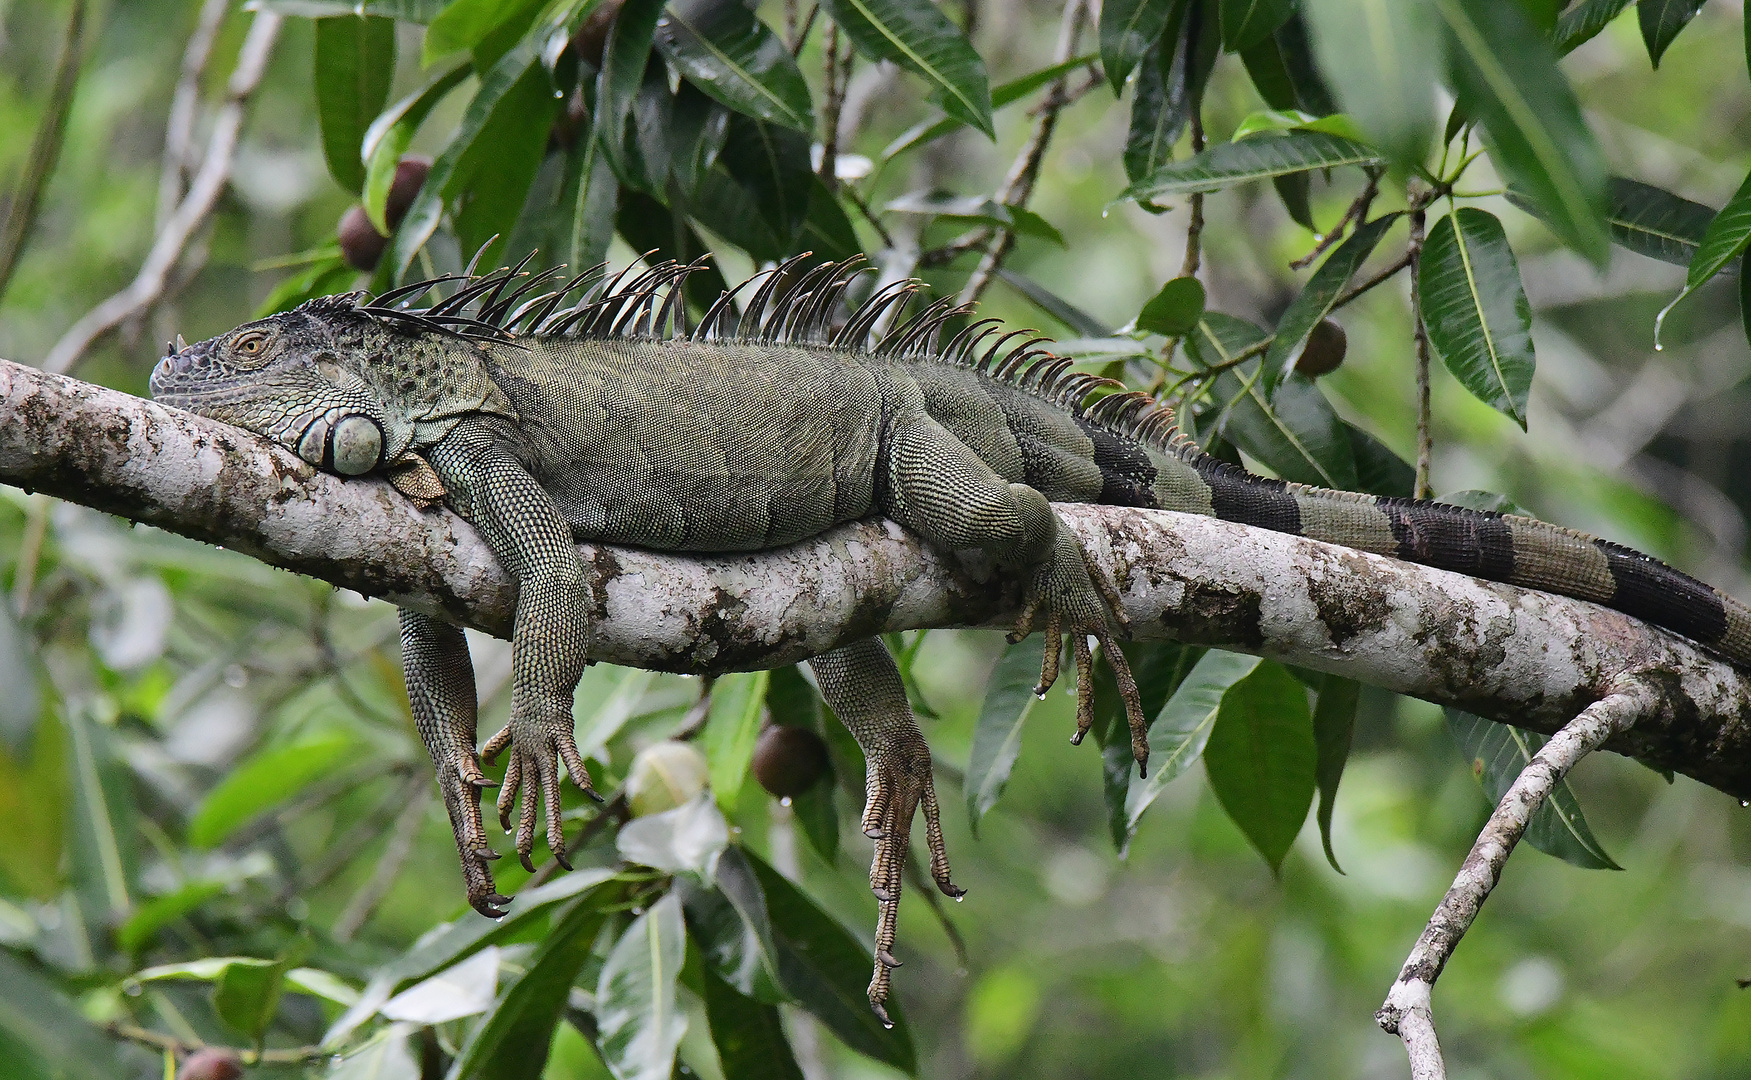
45 148
1357 212
1419 200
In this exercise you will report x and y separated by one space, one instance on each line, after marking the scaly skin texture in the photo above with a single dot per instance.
604 421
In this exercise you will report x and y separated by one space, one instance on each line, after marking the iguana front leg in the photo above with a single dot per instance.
937 487
863 687
440 691
488 485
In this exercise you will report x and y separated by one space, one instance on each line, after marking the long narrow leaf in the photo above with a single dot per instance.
1182 728
1009 697
1495 754
1661 21
1334 722
637 1010
1245 23
1727 235
916 35
1479 321
1002 95
355 61
1315 301
1583 22
1254 159
734 57
1382 58
1261 759
1128 29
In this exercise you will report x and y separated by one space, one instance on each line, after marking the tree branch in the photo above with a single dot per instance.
1407 1012
1531 658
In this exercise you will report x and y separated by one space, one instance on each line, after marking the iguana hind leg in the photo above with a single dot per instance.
532 541
440 692
863 687
937 487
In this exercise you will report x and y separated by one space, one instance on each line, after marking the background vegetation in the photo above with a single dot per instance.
219 825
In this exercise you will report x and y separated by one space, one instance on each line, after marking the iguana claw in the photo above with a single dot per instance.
533 772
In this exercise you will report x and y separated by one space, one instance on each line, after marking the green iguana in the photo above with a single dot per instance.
544 423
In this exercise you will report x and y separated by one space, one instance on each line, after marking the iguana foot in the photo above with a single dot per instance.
899 781
1074 596
537 747
460 782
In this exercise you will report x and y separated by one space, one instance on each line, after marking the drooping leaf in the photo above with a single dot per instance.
1506 71
355 61
105 817
734 57
389 136
1160 110
513 1042
1159 668
1283 71
1334 722
690 837
1728 234
749 1035
1294 431
464 24
730 924
1661 21
619 82
1245 23
36 793
491 182
1379 471
516 82
1496 753
1261 759
637 1011
917 35
1478 318
1745 294
1228 164
1128 30
1181 730
389 1055
1009 697
1002 95
247 993
1382 58
262 782
1583 22
822 966
731 730
1315 300
1175 310
647 225
1650 221
771 165
975 209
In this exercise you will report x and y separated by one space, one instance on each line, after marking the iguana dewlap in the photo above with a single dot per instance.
545 423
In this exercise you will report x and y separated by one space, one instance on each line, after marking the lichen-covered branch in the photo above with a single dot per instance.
1532 658
1407 1012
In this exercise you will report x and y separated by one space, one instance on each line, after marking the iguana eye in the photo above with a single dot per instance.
249 344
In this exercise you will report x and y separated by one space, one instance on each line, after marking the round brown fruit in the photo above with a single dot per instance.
211 1064
789 760
360 242
410 174
591 39
1325 350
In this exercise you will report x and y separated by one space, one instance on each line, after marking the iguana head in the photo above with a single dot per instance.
345 390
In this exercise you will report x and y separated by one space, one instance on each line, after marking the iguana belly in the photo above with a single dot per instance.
695 446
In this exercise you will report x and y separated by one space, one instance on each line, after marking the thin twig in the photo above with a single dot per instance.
30 549
1018 186
1379 277
1406 1012
388 868
179 130
801 33
45 148
1357 212
971 240
1420 330
837 72
150 285
291 1055
850 192
1195 227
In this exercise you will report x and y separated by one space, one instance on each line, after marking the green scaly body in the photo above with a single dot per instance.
607 421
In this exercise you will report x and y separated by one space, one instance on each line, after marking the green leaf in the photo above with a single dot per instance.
647 225
1267 120
731 926
734 57
324 277
491 180
1294 430
389 1055
771 165
620 80
1479 321
731 729
1496 753
1261 759
414 11
1009 697
1054 305
637 1014
1379 471
1745 293
1182 728
1727 235
1159 668
36 1016
1002 95
148 918
1128 30
392 133
1245 23
825 968
790 699
1657 223
1175 310
1315 300
35 799
262 782
1161 106
1583 22
1506 71
1334 722
1283 71
464 24
355 62
513 1042
246 994
916 35
972 208
1661 21
1228 164
1382 58
749 1035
